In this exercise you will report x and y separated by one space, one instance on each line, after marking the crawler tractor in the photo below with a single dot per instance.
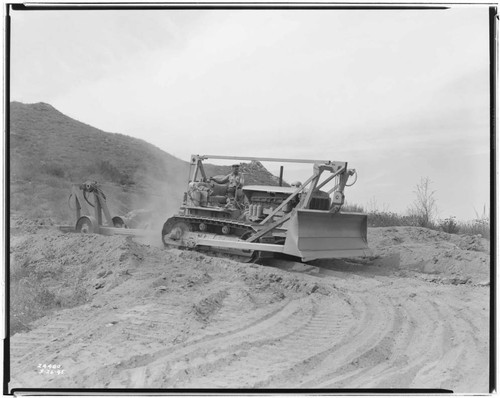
258 221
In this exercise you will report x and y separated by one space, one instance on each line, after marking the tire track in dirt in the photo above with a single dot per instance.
344 358
438 349
400 363
412 346
458 349
317 328
400 366
419 345
23 344
87 337
133 363
355 339
195 357
276 351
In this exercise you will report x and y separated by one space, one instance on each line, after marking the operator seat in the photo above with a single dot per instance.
220 193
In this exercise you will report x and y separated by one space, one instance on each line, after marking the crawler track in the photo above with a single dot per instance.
191 228
237 228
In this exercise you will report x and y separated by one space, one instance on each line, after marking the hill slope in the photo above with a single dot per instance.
49 151
41 134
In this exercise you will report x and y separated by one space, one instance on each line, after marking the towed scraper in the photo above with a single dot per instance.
256 221
93 215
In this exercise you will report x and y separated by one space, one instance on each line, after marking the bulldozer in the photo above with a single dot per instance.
255 222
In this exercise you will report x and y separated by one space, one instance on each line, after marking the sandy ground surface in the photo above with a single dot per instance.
416 315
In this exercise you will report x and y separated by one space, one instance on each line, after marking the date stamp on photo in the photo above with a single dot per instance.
50 369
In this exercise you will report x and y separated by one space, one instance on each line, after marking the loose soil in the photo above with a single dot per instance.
415 315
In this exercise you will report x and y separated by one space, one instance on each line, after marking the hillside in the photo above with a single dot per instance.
43 136
49 151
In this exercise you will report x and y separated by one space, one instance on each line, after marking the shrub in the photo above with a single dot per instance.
449 225
424 207
33 293
53 169
376 218
479 226
476 227
352 208
110 173
391 219
30 300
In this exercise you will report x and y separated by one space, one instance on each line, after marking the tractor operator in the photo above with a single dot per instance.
234 180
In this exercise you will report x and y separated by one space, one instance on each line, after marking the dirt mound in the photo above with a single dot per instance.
435 255
50 270
20 224
391 236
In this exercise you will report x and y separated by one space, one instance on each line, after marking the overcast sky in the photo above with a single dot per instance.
400 95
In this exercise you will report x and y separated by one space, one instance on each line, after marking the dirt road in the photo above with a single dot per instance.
414 316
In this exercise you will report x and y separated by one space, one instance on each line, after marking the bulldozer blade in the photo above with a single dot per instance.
313 234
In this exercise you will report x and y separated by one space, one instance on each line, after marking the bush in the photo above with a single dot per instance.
391 219
53 169
30 300
352 208
424 207
33 293
476 227
376 218
111 173
449 225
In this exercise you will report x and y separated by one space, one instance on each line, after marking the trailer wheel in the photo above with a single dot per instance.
86 225
118 222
